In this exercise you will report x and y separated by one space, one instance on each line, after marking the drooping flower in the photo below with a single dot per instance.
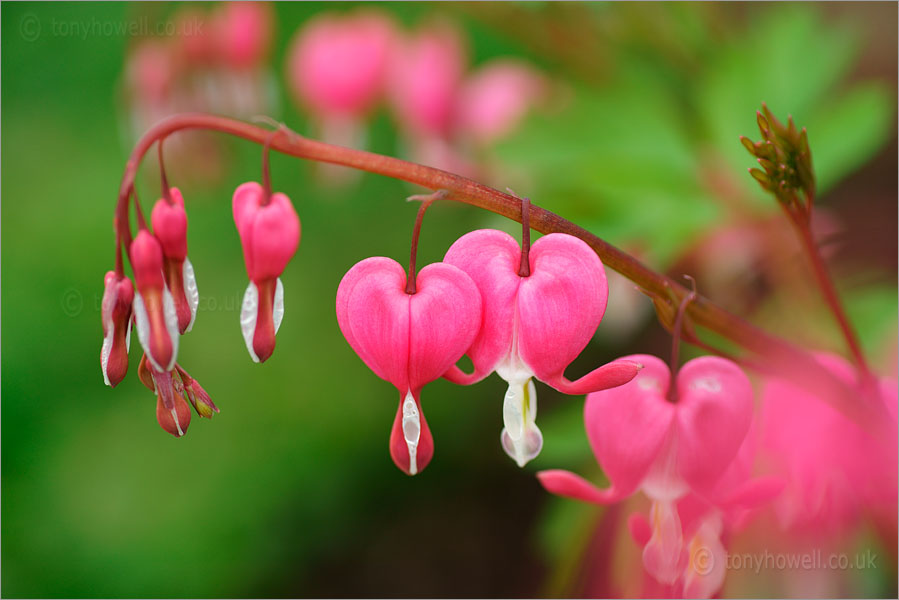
243 32
118 296
269 231
425 79
154 308
408 339
534 325
667 443
837 470
170 227
337 67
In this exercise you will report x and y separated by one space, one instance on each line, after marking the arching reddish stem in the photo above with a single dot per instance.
781 356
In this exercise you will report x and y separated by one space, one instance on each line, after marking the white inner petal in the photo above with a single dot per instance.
411 430
105 351
143 328
248 311
190 291
171 324
521 438
662 482
128 337
278 306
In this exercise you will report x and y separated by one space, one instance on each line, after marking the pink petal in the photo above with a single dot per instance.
628 425
639 528
570 485
445 317
275 237
373 314
411 443
170 225
491 258
560 304
713 417
607 376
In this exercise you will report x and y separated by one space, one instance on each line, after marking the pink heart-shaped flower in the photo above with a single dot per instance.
408 339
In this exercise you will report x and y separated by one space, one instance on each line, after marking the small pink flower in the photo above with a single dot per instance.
408 339
118 296
534 326
269 231
494 100
337 64
643 440
154 307
170 227
425 80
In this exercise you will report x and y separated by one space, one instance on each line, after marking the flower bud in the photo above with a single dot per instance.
154 307
118 297
269 231
170 227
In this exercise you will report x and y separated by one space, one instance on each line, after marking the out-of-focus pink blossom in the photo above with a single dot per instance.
151 71
337 64
425 80
243 32
837 471
494 100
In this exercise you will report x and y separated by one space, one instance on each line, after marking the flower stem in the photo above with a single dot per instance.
524 266
829 291
426 201
164 181
783 357
675 339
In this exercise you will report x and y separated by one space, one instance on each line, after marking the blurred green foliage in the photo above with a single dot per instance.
290 490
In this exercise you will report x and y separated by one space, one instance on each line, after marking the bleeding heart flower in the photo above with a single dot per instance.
534 325
425 80
408 339
170 227
643 439
118 296
269 231
837 471
154 307
243 33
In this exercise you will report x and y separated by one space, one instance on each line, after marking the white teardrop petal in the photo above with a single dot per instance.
411 430
106 350
521 438
248 313
190 291
278 305
171 324
143 328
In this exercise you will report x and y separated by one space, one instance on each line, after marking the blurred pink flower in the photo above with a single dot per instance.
425 78
337 64
243 33
496 97
837 471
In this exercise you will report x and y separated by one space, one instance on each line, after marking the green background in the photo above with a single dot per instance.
290 490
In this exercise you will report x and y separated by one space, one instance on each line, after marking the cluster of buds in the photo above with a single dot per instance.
523 312
164 305
784 154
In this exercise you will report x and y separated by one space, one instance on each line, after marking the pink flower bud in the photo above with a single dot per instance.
154 308
337 64
172 411
243 33
408 339
118 297
425 80
269 233
170 227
